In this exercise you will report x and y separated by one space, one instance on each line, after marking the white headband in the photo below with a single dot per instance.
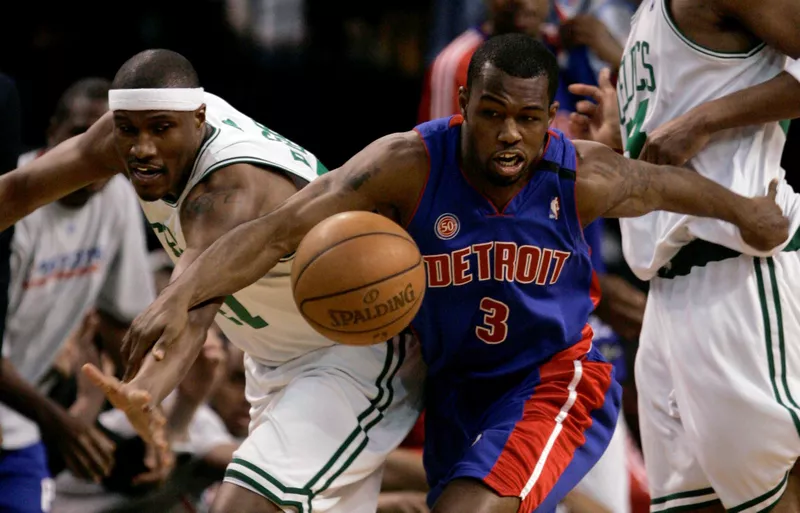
156 99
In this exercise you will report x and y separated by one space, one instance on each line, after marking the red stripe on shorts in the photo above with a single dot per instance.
552 426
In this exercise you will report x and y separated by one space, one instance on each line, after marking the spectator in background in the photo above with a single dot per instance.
587 36
10 135
449 69
84 252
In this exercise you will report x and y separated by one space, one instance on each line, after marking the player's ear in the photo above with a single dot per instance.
200 115
552 111
463 99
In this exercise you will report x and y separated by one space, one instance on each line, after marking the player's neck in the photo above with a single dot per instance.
187 173
498 195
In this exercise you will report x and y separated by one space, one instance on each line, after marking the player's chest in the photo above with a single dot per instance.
466 248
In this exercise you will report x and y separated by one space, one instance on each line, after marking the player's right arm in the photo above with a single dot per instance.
73 164
387 176
773 21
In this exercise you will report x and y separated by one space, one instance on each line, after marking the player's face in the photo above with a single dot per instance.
83 112
159 148
506 122
524 16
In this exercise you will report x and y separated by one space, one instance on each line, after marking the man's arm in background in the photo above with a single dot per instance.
10 144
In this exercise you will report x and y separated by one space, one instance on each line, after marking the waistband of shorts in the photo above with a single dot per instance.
699 253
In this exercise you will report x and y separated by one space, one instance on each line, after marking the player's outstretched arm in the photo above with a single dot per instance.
387 176
229 197
610 185
73 164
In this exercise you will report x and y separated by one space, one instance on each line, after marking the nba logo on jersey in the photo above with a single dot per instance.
447 226
555 207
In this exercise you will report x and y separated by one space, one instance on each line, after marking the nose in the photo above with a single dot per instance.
509 133
143 149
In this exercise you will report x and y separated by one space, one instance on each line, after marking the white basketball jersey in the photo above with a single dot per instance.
664 75
261 319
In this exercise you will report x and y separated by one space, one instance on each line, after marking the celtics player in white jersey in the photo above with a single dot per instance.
323 415
706 84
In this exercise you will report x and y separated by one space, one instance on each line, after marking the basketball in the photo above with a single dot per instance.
358 278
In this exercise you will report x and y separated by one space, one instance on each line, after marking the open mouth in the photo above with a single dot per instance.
146 173
509 163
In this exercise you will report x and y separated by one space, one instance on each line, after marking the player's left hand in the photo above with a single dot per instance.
147 420
159 463
156 328
676 141
762 224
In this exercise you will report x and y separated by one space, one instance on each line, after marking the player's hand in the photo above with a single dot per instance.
402 502
147 420
762 224
87 452
622 306
157 328
675 142
597 121
160 465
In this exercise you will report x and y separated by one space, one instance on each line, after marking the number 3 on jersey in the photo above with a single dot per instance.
494 329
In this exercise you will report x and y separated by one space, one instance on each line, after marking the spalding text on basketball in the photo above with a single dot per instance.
403 299
501 261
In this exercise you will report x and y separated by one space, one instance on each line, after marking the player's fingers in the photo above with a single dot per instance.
772 191
604 79
91 465
586 108
585 90
75 464
149 478
161 345
105 448
108 384
101 461
579 119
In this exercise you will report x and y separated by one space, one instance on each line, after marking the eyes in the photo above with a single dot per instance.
495 115
160 128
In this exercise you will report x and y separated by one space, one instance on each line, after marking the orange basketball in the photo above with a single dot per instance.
358 278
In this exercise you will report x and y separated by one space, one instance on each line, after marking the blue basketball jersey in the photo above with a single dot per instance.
506 290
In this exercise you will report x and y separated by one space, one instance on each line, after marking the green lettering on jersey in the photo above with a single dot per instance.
636 138
321 169
275 136
240 315
243 315
636 73
298 152
300 158
232 123
650 84
169 238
